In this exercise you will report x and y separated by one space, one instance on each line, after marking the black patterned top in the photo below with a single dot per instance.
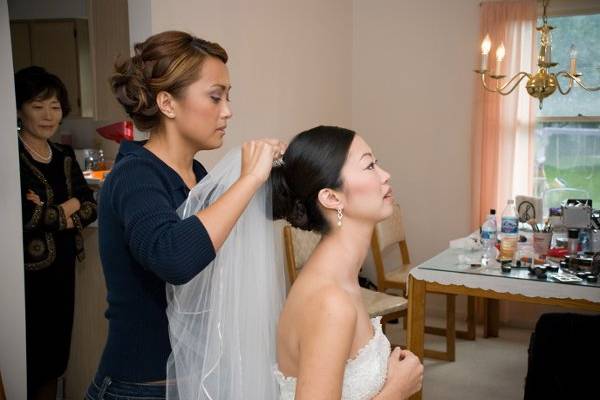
45 229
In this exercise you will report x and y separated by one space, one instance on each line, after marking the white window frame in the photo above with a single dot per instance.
570 8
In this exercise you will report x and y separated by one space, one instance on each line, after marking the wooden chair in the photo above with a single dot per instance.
299 245
391 232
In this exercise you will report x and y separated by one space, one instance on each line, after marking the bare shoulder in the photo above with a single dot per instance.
325 342
332 307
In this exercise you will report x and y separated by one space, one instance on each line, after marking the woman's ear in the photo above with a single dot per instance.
330 199
165 103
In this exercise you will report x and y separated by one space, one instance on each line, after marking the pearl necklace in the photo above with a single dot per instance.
38 155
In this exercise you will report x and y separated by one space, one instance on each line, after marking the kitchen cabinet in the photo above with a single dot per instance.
62 47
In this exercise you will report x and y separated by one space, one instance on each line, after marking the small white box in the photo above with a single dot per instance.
529 208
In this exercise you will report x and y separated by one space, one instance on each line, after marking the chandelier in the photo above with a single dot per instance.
543 82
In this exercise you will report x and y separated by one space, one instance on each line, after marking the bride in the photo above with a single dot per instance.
226 340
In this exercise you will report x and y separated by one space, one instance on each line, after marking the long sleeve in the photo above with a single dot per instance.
48 218
175 250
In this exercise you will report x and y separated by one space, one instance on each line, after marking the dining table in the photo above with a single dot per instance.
466 272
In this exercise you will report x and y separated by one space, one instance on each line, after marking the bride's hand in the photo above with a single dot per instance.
404 375
258 157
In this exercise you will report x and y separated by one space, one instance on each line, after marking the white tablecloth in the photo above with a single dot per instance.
455 264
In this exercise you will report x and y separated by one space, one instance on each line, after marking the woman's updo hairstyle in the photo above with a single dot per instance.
169 61
313 161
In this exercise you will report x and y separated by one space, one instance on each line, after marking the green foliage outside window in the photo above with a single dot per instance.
567 152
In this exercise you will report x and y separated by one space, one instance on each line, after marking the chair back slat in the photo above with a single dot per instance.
299 245
391 230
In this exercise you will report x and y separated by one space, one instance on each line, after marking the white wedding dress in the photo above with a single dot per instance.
223 323
364 375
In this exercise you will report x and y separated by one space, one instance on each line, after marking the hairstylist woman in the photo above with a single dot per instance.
176 87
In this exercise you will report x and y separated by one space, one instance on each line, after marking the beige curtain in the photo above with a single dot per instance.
503 126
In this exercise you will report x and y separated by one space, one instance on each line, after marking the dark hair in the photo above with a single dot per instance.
168 61
313 161
35 83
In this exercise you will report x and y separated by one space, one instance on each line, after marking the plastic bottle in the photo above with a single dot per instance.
489 230
510 231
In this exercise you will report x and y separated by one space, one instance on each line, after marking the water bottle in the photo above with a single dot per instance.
89 162
510 231
488 235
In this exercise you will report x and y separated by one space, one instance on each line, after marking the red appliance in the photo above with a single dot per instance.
122 130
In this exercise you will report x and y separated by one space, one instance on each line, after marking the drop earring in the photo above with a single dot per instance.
340 215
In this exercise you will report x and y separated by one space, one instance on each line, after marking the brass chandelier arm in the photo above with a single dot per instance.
541 83
571 79
577 80
514 81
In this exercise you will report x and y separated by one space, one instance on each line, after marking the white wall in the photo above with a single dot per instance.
140 21
47 9
290 61
12 289
412 98
400 73
140 27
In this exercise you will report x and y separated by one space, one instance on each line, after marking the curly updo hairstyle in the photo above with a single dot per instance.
312 161
169 61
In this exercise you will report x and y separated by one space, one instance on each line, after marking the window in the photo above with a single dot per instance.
567 137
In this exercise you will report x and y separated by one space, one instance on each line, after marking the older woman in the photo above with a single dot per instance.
57 204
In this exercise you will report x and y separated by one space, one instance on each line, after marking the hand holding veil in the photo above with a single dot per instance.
222 324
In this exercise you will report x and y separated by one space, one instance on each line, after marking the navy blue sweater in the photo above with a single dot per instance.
143 244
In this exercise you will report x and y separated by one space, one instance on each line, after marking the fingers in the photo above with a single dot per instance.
395 356
277 146
259 156
283 147
31 196
407 353
407 357
273 142
249 146
264 149
36 201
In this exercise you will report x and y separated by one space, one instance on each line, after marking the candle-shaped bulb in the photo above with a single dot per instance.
500 52
573 60
486 45
573 52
